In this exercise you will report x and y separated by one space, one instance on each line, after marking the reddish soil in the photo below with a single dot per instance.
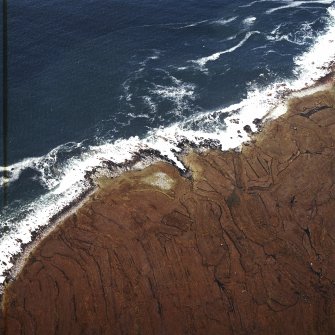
244 246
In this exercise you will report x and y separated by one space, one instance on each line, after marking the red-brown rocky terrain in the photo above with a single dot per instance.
246 245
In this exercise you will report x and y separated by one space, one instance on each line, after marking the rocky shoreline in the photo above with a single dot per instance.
242 244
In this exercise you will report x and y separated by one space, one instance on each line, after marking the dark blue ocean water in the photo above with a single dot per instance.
83 74
73 64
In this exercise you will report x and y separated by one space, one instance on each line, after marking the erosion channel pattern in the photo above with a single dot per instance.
245 245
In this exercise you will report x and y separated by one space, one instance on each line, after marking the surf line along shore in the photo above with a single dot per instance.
245 244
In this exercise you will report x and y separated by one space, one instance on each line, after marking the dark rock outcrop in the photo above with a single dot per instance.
246 246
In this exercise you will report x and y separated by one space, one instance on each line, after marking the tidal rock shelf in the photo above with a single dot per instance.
244 245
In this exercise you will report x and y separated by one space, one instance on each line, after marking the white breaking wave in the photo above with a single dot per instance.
300 37
249 21
204 60
155 55
210 21
194 24
293 4
68 182
45 165
179 93
310 65
14 171
149 102
225 21
254 2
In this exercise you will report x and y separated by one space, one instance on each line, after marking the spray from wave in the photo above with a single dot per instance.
204 60
292 4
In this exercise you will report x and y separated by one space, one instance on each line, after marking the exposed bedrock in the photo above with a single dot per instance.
246 246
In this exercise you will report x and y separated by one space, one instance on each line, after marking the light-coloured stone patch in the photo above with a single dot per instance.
161 180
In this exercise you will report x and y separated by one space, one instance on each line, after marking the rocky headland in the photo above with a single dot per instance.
243 244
